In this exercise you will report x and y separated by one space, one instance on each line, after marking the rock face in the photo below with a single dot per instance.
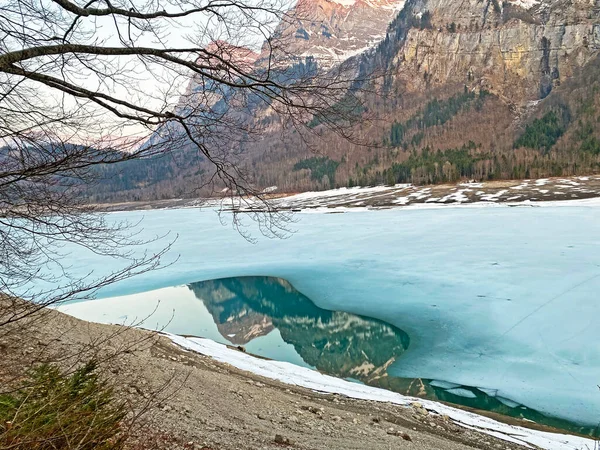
518 50
326 31
204 92
333 30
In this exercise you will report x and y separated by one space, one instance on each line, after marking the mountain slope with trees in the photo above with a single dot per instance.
478 90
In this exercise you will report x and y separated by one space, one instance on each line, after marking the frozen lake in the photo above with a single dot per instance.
503 299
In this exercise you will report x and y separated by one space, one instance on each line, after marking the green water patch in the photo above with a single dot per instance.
269 317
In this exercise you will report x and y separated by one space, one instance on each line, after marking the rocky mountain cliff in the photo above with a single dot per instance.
518 50
331 31
202 91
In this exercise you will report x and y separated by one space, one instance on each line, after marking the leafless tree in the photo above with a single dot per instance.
90 84
93 84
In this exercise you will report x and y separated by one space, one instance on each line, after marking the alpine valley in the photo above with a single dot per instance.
443 91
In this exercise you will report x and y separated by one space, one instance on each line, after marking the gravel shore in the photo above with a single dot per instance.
199 403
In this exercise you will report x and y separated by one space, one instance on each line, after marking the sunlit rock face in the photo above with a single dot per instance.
332 31
518 49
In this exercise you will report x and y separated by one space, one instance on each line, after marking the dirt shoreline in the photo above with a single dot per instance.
492 415
205 404
513 192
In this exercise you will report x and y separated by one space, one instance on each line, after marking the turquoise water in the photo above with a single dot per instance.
504 300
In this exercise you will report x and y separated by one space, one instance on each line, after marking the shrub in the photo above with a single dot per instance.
54 411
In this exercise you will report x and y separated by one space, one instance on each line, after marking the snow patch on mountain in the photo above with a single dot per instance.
525 4
346 3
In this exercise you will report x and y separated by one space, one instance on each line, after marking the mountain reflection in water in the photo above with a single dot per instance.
341 344
336 343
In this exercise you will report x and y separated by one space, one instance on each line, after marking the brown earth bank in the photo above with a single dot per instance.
195 402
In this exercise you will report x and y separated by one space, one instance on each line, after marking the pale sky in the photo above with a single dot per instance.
151 85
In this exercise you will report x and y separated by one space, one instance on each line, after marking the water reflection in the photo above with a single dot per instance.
247 310
337 343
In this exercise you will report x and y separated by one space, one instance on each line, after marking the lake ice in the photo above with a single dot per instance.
501 298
